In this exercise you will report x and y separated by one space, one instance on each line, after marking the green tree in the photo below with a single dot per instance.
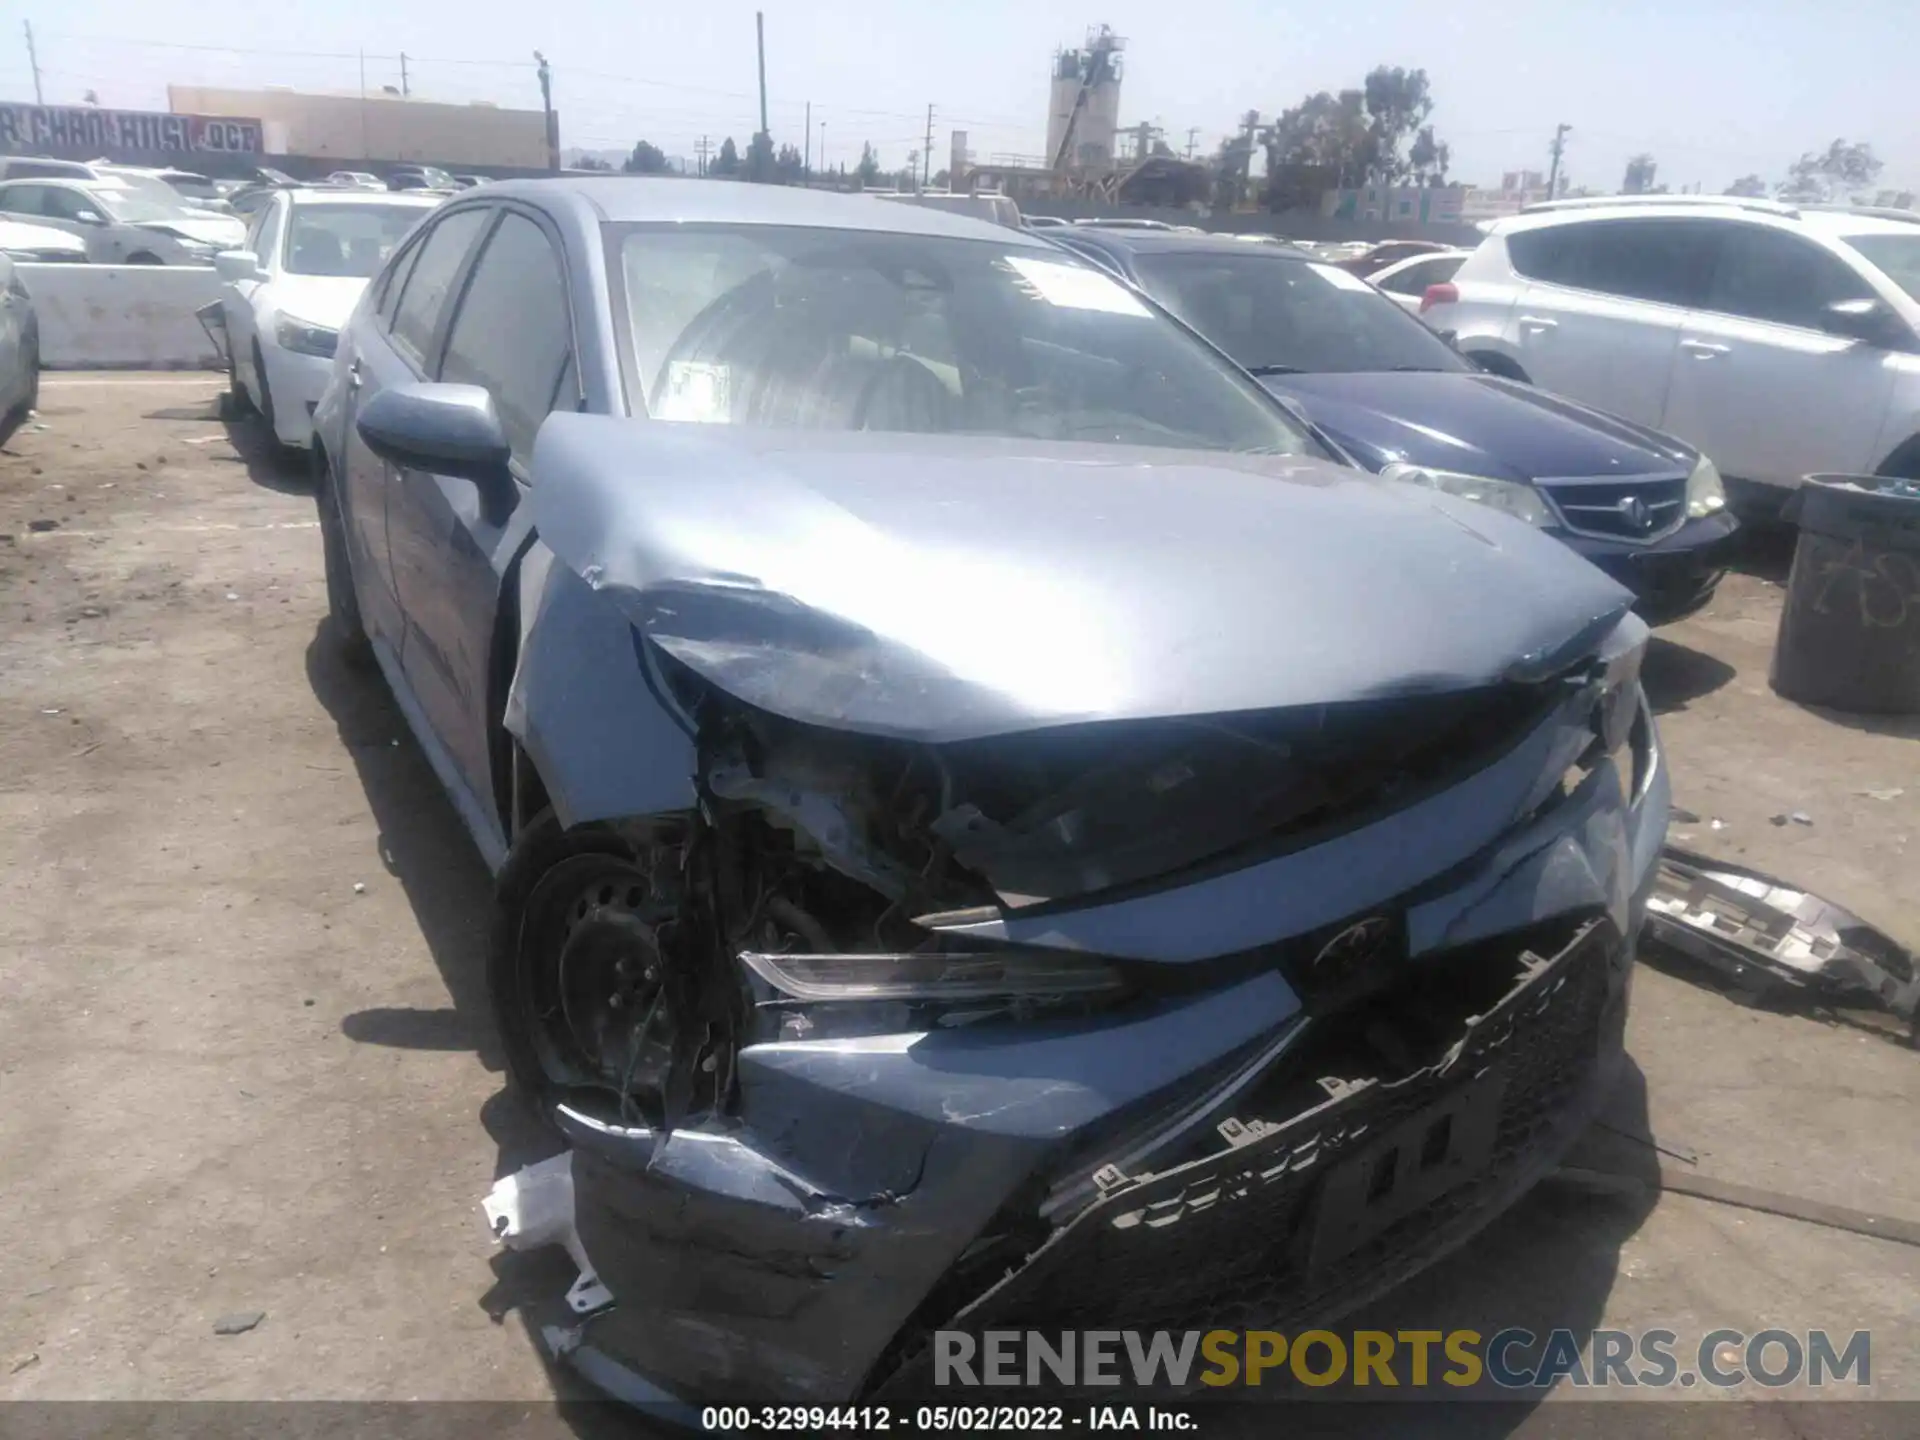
1750 186
867 172
1429 157
1838 172
592 162
645 160
1398 103
1639 177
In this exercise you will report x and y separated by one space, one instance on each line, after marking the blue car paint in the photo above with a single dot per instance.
1480 424
1487 425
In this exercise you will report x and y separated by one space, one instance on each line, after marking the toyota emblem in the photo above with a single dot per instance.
1353 946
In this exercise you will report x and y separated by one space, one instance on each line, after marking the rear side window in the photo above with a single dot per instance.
1767 274
268 241
22 199
1669 261
431 282
511 334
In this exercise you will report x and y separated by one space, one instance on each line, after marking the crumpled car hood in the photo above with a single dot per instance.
945 588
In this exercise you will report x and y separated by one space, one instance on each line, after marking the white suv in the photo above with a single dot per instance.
1780 341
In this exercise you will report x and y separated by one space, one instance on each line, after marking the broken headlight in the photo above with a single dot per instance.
933 976
1705 494
1522 502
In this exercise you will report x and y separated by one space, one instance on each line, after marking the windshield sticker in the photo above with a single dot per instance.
1339 279
1075 287
696 391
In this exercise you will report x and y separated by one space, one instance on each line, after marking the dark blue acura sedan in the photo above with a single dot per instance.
1646 508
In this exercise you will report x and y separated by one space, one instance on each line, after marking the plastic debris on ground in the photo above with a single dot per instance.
1773 940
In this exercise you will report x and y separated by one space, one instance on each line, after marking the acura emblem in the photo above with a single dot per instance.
1352 946
1635 512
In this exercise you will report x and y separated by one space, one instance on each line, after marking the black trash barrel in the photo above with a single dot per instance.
1850 629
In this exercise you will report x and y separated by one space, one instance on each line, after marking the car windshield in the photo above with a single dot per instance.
348 240
137 199
1897 256
1277 315
867 330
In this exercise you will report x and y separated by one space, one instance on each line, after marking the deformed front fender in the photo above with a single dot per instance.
582 704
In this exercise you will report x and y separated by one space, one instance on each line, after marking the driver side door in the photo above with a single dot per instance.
511 333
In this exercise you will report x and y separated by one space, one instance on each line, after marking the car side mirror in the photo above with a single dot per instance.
448 430
231 265
89 217
1871 321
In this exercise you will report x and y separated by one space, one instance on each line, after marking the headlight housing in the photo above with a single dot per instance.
1705 494
1523 502
305 339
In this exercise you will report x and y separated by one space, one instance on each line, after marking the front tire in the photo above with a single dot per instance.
574 969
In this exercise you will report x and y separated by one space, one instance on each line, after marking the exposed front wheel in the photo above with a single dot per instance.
583 992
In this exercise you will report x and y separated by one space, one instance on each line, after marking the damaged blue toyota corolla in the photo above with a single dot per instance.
993 826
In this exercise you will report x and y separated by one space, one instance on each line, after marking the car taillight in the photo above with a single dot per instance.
1439 295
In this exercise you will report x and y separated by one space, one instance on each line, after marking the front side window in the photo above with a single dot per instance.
1275 314
346 240
511 334
1895 256
1665 260
63 204
1767 274
861 330
431 281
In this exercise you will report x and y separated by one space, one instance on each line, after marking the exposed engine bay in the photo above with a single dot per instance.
827 864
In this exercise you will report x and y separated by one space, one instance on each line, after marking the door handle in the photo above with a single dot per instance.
353 374
1538 322
1703 349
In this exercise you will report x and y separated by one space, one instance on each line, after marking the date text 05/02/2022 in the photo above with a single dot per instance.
937 1419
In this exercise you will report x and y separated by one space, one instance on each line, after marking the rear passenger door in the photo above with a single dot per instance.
511 334
1758 385
1600 316
395 342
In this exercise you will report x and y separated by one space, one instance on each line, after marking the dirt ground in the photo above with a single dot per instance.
245 1059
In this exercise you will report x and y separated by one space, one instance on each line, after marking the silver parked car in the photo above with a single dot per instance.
970 780
122 225
19 352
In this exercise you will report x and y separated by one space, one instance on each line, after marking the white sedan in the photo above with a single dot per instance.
1406 281
308 256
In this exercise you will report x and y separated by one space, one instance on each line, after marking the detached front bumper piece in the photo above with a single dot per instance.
1358 1052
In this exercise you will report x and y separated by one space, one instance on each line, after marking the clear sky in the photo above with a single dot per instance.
1712 88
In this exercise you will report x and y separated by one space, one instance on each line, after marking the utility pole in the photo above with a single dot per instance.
405 88
1193 141
546 105
760 36
34 60
926 155
806 140
823 147
1553 176
363 107
701 150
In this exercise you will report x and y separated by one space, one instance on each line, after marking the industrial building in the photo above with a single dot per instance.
1083 109
382 128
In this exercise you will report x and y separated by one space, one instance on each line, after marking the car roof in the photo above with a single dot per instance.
318 195
1834 221
631 198
1171 242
